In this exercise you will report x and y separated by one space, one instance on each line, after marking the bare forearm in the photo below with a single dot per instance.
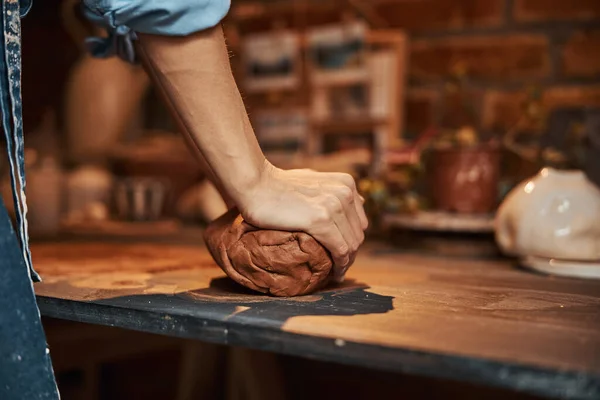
195 78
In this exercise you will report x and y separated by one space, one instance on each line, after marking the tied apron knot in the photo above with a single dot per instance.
12 119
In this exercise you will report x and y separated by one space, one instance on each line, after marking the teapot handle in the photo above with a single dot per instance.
505 230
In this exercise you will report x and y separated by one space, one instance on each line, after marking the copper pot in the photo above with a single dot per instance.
464 180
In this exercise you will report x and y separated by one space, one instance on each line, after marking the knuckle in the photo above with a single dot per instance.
337 208
361 238
321 216
343 250
348 180
333 203
346 195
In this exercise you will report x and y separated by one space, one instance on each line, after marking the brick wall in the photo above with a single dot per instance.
505 45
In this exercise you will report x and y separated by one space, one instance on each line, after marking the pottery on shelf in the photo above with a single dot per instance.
464 180
552 223
89 189
159 156
102 99
140 199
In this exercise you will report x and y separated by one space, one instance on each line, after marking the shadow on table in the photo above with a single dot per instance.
345 299
225 300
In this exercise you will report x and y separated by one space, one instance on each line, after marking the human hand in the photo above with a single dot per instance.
327 206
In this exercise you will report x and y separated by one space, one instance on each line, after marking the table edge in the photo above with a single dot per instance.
551 383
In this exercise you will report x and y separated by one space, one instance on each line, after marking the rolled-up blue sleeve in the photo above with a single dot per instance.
124 18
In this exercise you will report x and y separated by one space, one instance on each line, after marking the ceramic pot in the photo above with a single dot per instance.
159 156
464 180
554 215
140 199
89 188
178 175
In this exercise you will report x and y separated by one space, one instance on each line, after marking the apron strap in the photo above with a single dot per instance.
12 119
25 7
25 364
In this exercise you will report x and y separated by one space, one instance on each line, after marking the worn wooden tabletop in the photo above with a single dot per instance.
485 322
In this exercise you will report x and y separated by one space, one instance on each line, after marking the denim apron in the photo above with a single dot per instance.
25 367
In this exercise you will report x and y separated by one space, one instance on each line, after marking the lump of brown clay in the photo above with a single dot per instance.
269 261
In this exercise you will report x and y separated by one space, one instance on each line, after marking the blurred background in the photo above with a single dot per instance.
438 108
406 95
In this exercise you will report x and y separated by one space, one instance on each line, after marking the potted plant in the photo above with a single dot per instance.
463 165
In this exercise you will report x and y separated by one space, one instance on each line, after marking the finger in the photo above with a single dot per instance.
339 275
333 240
347 200
355 224
360 211
349 181
337 232
345 228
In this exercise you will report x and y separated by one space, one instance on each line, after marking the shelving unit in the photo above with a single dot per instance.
309 90
383 77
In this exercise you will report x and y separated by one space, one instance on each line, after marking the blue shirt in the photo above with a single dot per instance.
123 18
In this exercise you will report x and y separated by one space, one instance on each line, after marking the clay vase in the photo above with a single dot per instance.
554 215
102 99
464 180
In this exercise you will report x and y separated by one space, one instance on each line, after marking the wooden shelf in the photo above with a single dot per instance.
382 77
272 85
335 78
437 221
349 125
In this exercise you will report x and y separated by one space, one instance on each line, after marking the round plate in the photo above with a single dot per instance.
553 266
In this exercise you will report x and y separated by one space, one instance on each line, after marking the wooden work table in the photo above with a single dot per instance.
484 322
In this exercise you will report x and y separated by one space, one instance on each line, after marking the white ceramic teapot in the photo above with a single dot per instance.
552 223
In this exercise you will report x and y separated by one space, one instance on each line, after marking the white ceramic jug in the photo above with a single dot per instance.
552 223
